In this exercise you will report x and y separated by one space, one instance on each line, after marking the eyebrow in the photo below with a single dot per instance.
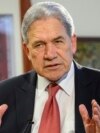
54 39
38 41
57 38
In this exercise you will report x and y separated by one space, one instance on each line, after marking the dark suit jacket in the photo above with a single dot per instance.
19 94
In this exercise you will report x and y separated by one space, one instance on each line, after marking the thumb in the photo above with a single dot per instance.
3 109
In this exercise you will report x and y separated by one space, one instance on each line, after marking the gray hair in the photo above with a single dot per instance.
43 10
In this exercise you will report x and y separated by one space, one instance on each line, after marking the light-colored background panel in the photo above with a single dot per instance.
86 15
12 7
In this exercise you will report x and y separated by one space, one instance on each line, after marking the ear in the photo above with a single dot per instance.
26 50
74 43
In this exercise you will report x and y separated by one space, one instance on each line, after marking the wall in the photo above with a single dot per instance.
85 14
12 7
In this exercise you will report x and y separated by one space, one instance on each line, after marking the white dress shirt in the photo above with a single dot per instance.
65 98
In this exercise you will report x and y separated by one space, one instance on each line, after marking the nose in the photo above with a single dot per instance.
50 52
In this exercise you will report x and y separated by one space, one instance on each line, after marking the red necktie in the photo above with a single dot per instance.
50 121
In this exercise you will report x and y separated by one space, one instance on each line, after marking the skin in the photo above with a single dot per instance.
91 125
50 50
3 109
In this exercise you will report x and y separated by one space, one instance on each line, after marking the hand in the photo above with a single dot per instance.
3 109
91 125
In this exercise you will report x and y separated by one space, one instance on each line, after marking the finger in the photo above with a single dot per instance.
84 114
3 109
96 113
89 124
95 104
95 109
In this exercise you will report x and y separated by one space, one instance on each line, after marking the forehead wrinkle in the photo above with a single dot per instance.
43 33
45 39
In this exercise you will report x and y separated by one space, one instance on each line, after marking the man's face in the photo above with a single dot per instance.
50 49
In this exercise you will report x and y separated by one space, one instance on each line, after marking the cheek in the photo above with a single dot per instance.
67 53
66 57
36 59
32 55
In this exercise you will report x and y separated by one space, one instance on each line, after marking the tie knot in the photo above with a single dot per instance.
53 88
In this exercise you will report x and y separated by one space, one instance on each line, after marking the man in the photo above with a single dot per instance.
50 42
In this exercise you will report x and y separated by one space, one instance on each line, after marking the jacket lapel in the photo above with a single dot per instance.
83 86
25 98
78 121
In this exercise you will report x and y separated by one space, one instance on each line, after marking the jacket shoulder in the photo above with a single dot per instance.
17 80
87 73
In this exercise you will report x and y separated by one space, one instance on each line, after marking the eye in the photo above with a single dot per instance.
58 41
38 45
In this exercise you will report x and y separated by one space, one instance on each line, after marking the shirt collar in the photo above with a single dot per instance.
42 83
66 82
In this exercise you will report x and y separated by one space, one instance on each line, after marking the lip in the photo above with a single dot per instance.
52 66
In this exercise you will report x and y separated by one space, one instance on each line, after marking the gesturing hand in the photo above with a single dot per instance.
3 109
91 125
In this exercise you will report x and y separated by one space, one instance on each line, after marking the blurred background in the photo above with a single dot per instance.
86 18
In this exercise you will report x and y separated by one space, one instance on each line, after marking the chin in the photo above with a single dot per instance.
53 79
